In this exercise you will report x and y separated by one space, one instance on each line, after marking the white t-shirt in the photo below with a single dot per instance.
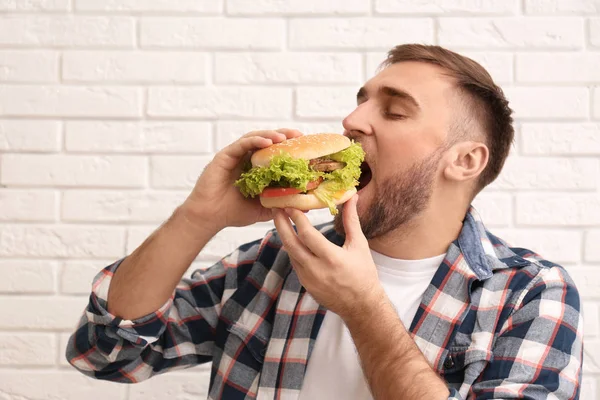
334 370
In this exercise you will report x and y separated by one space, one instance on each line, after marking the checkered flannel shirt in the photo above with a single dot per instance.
495 322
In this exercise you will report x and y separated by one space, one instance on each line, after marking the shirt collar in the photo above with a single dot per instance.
483 251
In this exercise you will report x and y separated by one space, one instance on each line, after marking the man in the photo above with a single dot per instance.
405 296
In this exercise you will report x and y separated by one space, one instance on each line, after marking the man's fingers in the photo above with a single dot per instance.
354 233
308 235
254 140
290 241
269 134
295 264
289 133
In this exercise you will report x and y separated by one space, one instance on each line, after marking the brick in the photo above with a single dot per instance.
591 318
530 173
28 66
27 276
77 275
136 235
29 136
250 68
40 313
549 102
591 355
138 136
222 102
495 208
28 205
69 101
67 30
558 246
176 172
73 170
511 33
230 131
221 245
589 386
64 385
373 63
145 67
61 241
27 349
596 105
499 65
62 349
229 239
358 33
34 5
592 245
177 385
558 68
183 6
586 280
561 139
325 102
119 206
562 7
564 209
295 7
445 7
595 32
235 33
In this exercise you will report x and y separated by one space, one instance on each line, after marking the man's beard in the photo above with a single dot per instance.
399 199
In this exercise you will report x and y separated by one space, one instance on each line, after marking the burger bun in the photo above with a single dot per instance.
303 202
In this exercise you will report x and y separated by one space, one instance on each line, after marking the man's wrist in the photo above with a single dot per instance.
366 307
195 222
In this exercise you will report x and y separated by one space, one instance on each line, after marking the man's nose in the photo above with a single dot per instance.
357 122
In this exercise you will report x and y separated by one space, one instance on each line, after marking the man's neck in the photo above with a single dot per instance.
427 235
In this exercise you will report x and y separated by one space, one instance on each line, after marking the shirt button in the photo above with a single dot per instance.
448 362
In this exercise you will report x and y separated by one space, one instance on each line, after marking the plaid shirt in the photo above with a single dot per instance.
495 322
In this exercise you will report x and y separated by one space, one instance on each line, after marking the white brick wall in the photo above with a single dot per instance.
110 109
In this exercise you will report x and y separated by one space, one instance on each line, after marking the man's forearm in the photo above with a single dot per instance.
392 363
146 279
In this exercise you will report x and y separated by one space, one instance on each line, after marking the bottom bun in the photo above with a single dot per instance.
302 201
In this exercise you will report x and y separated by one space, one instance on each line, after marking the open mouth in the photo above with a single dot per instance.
365 176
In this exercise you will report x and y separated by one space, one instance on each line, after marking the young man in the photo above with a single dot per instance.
405 296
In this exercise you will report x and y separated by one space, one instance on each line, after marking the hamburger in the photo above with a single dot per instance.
306 173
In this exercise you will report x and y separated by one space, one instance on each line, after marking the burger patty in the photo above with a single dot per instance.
325 165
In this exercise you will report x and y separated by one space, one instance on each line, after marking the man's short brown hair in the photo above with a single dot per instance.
487 106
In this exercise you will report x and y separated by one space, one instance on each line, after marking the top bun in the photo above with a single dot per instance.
305 147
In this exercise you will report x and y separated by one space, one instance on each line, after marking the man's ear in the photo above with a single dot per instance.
466 161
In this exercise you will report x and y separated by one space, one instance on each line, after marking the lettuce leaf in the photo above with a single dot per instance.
285 171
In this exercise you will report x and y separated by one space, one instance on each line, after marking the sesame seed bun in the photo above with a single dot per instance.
306 147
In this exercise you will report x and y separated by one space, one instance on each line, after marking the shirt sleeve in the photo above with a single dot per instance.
539 350
178 335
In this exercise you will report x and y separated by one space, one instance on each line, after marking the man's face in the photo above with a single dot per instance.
402 120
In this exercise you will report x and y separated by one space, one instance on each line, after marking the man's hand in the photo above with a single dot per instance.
345 281
340 279
215 203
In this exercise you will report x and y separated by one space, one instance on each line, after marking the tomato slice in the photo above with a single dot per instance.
276 192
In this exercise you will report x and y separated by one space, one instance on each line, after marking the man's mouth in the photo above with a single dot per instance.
365 176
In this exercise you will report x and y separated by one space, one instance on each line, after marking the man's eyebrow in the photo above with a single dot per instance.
391 92
400 94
